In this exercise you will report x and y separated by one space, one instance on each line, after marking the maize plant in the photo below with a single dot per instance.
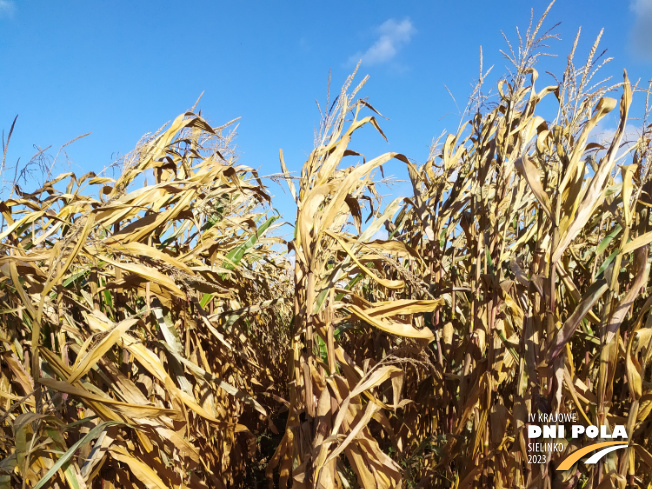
158 332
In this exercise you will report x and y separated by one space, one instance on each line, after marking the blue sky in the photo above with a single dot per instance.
121 69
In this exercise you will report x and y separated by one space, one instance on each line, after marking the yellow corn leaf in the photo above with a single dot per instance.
393 327
140 469
85 363
148 273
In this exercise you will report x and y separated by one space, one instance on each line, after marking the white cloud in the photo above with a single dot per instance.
641 32
604 136
392 36
381 234
7 8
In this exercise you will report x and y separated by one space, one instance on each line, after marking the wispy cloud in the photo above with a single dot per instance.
604 134
641 33
7 8
392 35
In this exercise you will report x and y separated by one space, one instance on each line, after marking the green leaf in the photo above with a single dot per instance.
235 255
74 277
91 435
605 242
205 300
606 263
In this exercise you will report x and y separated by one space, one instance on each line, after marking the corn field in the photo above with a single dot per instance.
157 332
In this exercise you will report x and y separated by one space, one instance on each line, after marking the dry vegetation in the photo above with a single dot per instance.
154 336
